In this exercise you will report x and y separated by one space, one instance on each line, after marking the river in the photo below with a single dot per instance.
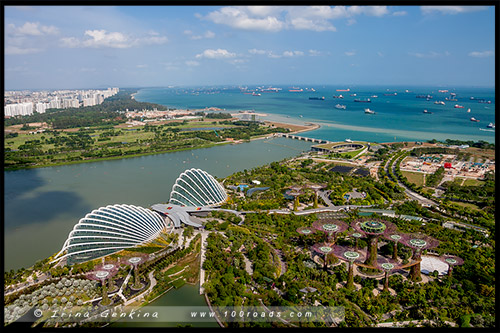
42 205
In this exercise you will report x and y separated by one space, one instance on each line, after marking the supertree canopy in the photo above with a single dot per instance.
350 255
452 261
373 229
395 238
387 265
316 188
330 227
103 273
418 242
135 262
325 249
306 230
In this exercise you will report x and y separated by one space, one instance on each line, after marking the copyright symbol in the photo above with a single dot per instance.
38 313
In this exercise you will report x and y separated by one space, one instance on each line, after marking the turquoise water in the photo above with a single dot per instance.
397 118
42 205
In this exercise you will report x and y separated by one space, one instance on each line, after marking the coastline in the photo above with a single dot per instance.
293 127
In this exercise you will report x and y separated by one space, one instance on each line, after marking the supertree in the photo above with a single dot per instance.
418 242
350 255
306 230
356 236
295 192
395 238
387 265
135 262
330 227
325 249
372 229
316 188
103 275
452 261
110 267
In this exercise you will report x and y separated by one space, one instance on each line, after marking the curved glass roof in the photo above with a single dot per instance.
110 229
195 187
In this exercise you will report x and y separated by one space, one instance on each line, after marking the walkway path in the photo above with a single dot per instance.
204 235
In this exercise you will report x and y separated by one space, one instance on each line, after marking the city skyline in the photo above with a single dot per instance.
143 46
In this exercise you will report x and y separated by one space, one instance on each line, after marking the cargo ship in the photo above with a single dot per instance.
348 89
363 100
424 96
317 98
296 90
368 111
338 96
474 119
391 94
425 111
491 125
459 106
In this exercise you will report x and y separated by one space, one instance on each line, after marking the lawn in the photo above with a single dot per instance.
416 178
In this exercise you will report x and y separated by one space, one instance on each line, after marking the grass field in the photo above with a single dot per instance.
416 178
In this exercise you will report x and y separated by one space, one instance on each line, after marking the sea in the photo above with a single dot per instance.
399 114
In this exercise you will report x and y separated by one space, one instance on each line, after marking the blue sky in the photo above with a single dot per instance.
57 47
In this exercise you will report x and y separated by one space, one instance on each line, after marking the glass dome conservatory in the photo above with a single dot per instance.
195 187
110 229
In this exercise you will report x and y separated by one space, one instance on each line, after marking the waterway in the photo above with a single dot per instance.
42 205
186 296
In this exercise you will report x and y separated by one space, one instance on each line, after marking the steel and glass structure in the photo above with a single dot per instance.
110 229
197 188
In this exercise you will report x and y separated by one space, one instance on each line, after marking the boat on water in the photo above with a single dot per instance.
374 96
474 119
317 98
348 140
451 99
459 106
484 102
391 94
424 96
256 94
296 90
338 96
443 91
368 111
348 89
363 100
468 110
491 125
439 102
428 112
340 106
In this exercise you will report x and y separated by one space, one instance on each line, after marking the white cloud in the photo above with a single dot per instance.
102 38
192 63
16 50
287 54
430 54
400 13
216 54
31 29
481 54
451 9
142 66
350 53
314 53
207 34
277 18
240 17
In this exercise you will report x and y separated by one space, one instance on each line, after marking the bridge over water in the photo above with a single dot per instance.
302 138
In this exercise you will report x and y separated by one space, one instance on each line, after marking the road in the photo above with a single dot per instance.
412 195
